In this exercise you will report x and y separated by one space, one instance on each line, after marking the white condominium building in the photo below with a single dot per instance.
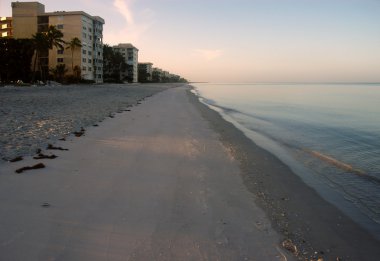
130 54
30 18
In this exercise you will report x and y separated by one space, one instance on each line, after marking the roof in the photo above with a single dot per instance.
125 45
61 13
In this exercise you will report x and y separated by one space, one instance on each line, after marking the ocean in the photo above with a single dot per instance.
328 134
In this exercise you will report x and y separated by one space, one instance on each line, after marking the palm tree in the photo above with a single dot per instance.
77 71
72 45
44 41
113 63
54 37
40 43
59 72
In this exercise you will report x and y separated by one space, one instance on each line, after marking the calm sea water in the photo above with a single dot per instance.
328 134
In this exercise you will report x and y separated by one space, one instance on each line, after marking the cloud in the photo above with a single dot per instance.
124 8
209 54
132 30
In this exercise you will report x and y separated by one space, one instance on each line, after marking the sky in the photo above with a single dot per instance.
244 40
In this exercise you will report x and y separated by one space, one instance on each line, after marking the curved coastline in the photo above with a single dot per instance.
296 210
155 183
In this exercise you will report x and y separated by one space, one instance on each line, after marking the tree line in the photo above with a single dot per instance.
27 60
113 65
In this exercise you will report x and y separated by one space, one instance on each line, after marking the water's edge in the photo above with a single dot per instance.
296 210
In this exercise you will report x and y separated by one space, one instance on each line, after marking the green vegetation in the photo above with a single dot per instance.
27 60
113 65
43 41
59 72
72 45
15 59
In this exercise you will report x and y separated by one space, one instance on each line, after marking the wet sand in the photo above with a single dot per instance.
297 212
168 180
153 183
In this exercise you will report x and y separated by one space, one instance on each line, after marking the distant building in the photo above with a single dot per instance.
145 72
130 54
30 18
157 75
6 27
165 76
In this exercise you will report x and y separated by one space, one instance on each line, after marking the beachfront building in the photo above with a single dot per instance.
174 78
156 75
130 54
145 72
30 18
165 76
6 27
159 75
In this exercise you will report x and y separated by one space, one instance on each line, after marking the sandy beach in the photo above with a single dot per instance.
154 183
168 180
31 117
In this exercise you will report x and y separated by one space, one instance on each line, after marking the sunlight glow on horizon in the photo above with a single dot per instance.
244 41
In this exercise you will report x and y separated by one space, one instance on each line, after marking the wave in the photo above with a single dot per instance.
229 110
328 159
342 165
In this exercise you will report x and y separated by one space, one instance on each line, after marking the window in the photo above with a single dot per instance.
89 60
59 60
84 51
90 37
60 51
84 60
59 26
89 29
89 69
99 76
89 52
43 19
84 68
84 28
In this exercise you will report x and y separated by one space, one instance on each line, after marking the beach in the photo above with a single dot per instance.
32 117
296 211
153 183
167 179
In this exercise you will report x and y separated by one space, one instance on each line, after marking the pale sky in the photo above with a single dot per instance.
244 40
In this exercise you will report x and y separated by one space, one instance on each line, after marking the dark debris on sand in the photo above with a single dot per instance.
37 166
52 147
19 158
79 133
43 156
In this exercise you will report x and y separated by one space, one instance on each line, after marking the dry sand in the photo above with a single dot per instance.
155 183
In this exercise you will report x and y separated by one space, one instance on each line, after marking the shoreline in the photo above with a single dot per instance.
154 183
49 212
316 227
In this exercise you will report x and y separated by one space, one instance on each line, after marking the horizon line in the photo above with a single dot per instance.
291 82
